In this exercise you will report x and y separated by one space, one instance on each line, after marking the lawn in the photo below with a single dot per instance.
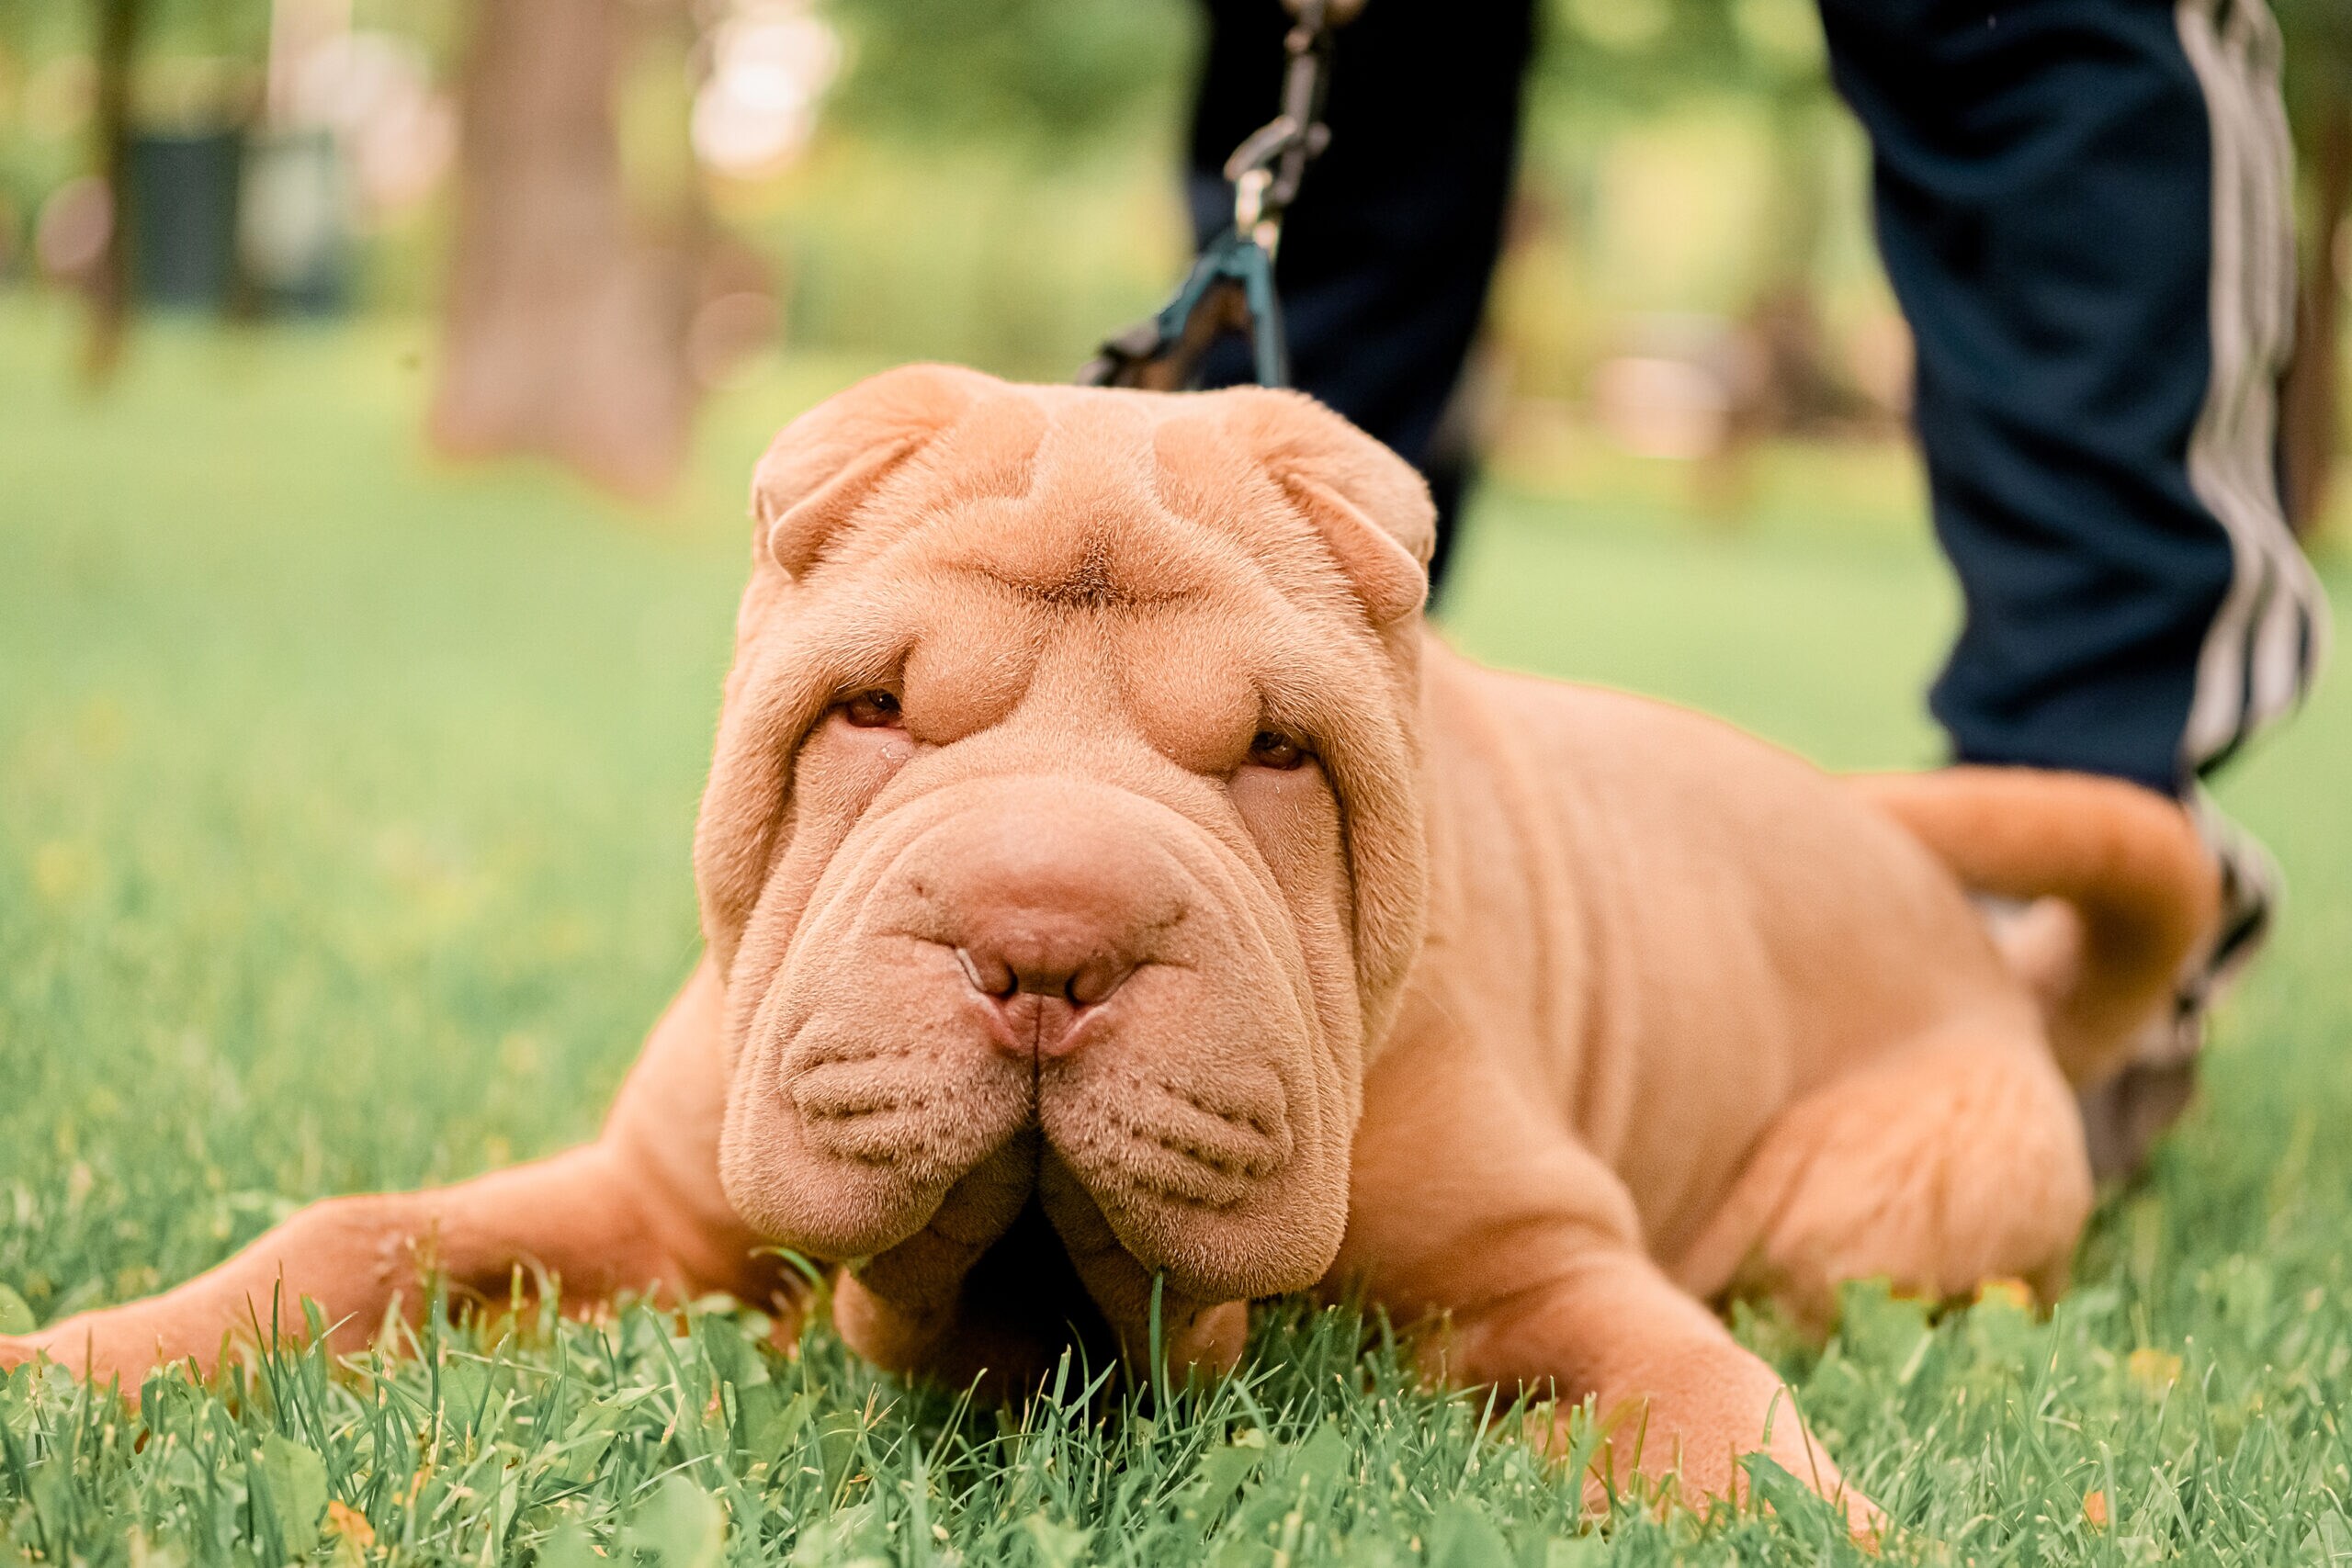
344 808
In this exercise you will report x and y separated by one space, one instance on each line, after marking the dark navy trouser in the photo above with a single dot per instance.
2083 208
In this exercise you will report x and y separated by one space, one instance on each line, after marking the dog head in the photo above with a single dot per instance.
1062 852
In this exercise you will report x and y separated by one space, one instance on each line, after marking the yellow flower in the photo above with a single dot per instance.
2011 1292
349 1522
2155 1371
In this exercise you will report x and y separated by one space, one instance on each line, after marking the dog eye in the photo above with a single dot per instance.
1272 749
872 710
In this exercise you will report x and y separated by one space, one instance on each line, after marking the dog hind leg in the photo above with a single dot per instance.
1955 1159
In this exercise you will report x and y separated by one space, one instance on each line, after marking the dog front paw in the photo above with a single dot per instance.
112 1348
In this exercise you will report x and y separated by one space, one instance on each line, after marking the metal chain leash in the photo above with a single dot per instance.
1230 289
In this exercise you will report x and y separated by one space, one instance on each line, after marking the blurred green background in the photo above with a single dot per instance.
992 181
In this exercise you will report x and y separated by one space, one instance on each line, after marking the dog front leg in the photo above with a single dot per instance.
1679 1399
639 1210
360 1258
1474 1207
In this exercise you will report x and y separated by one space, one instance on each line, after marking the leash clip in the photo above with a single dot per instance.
1230 288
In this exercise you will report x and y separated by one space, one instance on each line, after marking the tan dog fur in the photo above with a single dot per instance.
1544 1012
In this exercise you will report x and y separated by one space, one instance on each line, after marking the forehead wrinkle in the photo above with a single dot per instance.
989 453
1094 460
1304 678
1092 533
1203 473
1087 587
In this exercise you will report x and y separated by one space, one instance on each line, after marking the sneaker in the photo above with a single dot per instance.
2123 1116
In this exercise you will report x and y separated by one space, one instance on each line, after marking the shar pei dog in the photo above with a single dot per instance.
1112 891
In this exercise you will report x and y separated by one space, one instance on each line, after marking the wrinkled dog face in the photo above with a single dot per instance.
1061 846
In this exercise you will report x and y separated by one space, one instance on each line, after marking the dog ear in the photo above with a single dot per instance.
1371 506
827 463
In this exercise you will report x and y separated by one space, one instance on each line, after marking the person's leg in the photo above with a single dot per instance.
1388 252
2083 205
2083 208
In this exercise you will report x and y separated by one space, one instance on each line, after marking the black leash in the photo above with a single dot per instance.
1230 289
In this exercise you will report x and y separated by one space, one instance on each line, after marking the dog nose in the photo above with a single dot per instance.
1048 914
1043 963
1041 971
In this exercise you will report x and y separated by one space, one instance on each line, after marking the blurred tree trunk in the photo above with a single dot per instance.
1785 378
566 328
1795 385
109 283
2313 395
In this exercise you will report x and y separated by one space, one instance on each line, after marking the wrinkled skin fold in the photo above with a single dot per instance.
1112 891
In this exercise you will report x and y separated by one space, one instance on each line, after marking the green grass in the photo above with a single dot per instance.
344 807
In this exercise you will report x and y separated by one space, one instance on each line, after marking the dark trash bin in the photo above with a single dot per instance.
184 217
